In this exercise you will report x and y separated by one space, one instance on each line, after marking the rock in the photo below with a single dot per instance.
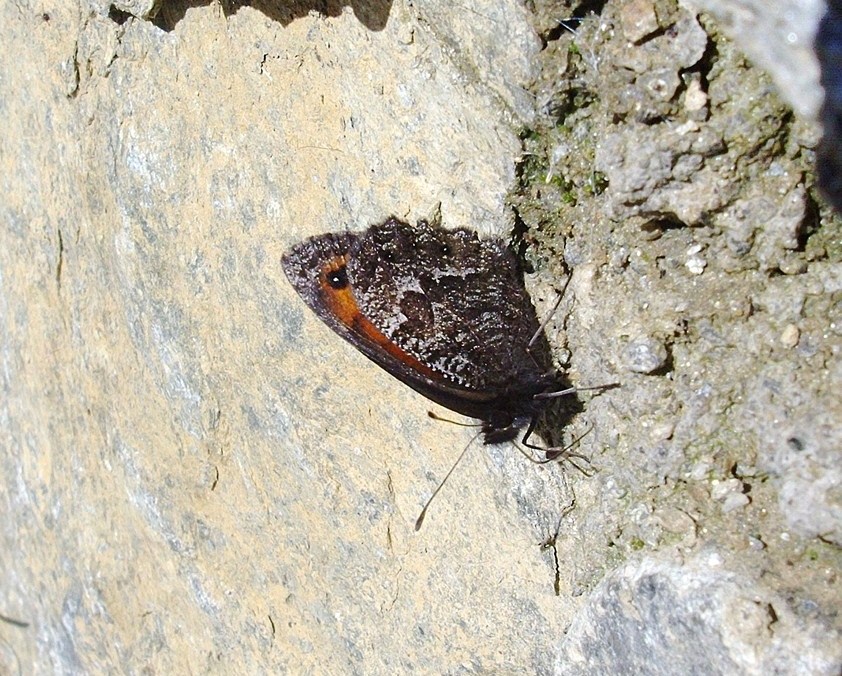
656 618
199 476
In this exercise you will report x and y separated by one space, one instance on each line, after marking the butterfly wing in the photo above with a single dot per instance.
442 310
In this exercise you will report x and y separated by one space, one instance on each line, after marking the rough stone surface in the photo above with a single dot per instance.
645 355
695 227
687 619
198 476
778 37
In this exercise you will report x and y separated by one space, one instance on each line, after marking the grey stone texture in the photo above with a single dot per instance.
196 475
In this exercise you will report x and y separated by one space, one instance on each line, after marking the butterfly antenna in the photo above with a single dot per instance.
571 390
436 416
420 520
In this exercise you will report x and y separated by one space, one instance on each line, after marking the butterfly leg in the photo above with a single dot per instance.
560 453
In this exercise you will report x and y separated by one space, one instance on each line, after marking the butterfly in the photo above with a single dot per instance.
443 310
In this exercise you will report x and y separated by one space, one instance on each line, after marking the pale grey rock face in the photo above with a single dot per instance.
778 37
197 475
653 617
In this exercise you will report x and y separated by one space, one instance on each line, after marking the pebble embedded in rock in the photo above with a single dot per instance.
645 355
789 336
734 501
638 19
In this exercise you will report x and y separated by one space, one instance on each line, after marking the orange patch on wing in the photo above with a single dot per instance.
344 307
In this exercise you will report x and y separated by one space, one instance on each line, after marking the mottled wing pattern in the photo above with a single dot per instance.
453 301
442 310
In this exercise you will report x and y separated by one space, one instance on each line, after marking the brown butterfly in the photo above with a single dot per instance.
444 311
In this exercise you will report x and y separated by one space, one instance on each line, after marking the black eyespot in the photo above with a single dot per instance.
389 255
337 279
445 249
